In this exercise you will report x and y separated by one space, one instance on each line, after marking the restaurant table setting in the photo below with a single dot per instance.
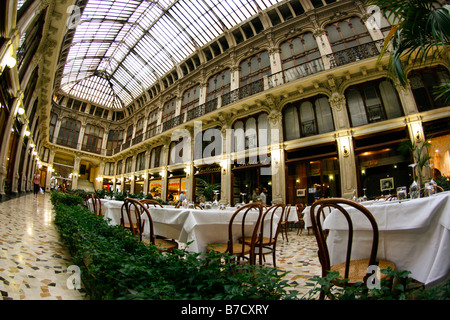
191 226
413 233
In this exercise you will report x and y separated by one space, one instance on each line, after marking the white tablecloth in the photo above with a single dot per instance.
197 227
414 234
201 227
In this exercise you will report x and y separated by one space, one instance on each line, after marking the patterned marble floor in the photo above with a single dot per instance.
33 261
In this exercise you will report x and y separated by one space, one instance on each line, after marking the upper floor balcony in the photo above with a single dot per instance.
322 64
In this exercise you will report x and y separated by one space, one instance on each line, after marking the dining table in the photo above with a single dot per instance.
413 233
196 228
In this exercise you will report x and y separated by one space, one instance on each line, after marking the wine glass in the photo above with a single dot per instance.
364 198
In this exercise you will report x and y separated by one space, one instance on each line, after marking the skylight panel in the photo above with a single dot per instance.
138 41
124 77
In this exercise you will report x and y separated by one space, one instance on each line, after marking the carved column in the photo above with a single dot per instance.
277 168
76 171
339 107
324 46
5 144
347 164
406 98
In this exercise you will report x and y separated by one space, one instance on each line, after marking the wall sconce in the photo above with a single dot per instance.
20 111
11 62
162 174
188 171
27 133
418 137
345 151
223 164
275 157
416 130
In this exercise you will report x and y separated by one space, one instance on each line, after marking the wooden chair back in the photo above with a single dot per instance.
250 213
317 214
150 202
131 216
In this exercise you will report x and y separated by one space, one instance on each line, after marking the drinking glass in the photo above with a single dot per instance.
414 190
401 193
429 189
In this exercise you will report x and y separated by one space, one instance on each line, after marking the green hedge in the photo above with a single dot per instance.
116 266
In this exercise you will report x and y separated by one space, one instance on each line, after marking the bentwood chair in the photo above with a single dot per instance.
244 222
86 200
266 242
285 223
392 197
95 203
150 202
301 223
353 270
134 210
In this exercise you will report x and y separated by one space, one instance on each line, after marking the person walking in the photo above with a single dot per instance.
36 181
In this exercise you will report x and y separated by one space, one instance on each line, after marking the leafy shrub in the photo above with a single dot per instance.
68 199
119 196
397 285
78 192
100 193
116 266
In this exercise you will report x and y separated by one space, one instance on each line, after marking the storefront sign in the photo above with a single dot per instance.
208 169
253 162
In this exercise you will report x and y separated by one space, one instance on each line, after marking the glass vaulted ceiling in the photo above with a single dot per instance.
120 48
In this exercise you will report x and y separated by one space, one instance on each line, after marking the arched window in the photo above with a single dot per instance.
300 57
350 42
372 102
69 132
140 161
130 133
139 127
218 85
307 117
169 109
254 68
115 139
92 139
190 98
208 143
423 85
52 126
251 132
156 157
347 33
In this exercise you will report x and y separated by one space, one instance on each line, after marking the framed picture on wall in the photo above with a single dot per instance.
386 184
301 192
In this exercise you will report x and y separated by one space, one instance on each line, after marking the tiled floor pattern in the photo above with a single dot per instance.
33 261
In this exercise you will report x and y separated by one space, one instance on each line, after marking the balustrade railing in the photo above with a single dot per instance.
339 58
353 54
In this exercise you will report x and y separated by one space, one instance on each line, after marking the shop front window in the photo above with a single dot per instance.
175 186
310 180
382 166
382 171
154 187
